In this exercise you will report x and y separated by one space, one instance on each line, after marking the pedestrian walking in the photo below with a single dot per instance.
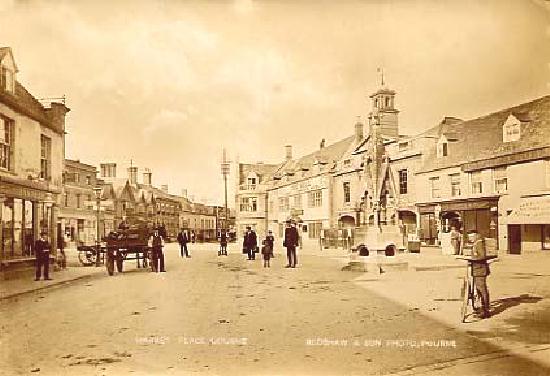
42 253
291 242
267 250
223 243
156 243
182 240
193 236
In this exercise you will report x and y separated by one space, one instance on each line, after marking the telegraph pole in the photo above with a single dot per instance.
225 173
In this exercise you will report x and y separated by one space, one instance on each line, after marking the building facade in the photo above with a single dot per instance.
476 174
77 217
32 149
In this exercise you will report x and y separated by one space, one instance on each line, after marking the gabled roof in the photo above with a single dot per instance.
326 157
481 138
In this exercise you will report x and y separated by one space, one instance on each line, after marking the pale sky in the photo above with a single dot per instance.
169 83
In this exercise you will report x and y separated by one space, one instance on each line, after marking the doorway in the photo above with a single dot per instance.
514 239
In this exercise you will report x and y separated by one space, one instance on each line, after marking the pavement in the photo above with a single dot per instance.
147 321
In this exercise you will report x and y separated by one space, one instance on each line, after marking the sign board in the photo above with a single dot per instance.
531 210
18 191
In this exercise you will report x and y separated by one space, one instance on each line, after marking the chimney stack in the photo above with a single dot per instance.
288 152
184 193
133 174
108 170
147 177
358 130
322 144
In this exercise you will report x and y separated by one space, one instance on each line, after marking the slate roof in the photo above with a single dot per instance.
327 156
481 138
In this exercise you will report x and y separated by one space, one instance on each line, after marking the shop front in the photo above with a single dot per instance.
25 212
480 215
528 225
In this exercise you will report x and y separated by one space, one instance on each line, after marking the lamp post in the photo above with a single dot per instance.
97 192
225 173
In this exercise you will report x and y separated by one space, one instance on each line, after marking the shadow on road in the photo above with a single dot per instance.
500 305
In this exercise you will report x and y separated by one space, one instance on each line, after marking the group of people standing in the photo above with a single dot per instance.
290 242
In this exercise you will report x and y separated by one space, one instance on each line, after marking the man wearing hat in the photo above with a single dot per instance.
480 270
156 242
42 252
250 243
291 242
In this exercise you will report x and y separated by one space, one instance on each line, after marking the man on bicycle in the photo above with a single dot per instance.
480 270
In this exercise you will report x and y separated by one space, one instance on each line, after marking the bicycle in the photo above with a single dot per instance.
469 294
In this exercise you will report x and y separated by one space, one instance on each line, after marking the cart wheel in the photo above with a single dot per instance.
464 292
119 262
110 263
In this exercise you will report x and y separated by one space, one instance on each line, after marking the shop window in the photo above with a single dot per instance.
455 184
314 230
403 182
500 180
347 192
45 157
6 142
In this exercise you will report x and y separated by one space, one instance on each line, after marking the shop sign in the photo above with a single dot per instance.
23 192
532 210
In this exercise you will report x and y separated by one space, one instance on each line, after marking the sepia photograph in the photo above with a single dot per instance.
275 187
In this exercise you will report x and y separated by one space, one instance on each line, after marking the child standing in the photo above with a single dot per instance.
267 249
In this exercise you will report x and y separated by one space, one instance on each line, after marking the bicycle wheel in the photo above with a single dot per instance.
464 294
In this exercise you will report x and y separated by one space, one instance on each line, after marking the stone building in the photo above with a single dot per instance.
251 196
77 217
32 138
492 175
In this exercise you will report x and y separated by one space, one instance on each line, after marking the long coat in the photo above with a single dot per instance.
291 237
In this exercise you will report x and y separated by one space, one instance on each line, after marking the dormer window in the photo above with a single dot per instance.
511 129
8 70
442 147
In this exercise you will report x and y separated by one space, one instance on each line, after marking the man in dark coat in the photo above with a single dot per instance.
250 243
42 252
182 239
156 243
291 242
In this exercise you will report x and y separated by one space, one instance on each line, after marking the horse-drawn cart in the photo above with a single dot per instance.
126 244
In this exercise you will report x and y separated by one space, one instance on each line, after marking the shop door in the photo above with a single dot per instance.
428 230
514 239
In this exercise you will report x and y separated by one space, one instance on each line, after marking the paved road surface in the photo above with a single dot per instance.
229 316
